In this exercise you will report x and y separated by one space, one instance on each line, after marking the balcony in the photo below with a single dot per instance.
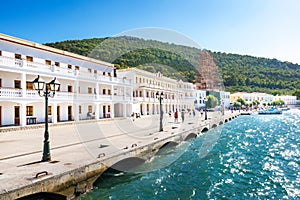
43 68
10 92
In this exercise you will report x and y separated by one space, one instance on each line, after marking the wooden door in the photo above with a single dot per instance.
58 113
104 111
17 115
69 113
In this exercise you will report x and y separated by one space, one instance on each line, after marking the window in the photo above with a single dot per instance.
29 110
103 73
108 108
29 58
79 108
48 62
69 66
70 88
18 84
78 89
141 94
0 53
49 110
147 94
76 67
90 109
108 74
57 64
0 82
108 92
29 85
103 91
89 70
95 71
136 79
18 56
90 90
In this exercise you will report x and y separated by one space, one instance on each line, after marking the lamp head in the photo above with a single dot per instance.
38 83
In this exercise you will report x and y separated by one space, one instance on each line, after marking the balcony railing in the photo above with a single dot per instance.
10 92
43 68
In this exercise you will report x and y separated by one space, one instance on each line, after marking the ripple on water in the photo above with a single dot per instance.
254 157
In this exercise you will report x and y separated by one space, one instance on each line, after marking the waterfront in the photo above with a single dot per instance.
252 157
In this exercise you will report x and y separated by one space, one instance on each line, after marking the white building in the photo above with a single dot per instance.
177 94
200 96
89 88
250 97
225 97
288 100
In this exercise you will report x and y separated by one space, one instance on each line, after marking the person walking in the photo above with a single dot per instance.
182 116
176 116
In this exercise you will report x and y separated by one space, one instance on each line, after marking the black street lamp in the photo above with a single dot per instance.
160 97
222 107
205 102
39 85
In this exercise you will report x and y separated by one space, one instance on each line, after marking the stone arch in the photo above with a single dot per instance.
166 146
44 195
190 136
127 164
204 130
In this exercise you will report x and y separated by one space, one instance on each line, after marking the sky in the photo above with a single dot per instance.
263 28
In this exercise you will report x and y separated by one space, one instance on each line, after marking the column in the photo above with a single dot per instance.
112 111
97 91
23 84
76 112
23 115
54 113
112 92
124 110
76 89
97 111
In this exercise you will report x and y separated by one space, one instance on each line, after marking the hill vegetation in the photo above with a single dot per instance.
239 72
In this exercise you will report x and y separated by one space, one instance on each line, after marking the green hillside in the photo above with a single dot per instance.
239 72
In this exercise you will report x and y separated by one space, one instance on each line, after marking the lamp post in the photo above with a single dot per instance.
205 102
40 85
222 107
160 97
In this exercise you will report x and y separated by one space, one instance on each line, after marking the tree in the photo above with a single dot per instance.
211 102
236 104
241 101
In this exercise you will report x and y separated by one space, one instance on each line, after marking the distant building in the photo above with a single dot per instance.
250 97
177 94
288 100
200 96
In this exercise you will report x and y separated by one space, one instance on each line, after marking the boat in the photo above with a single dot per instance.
285 109
270 111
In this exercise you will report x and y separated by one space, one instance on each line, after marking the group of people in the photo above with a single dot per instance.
176 115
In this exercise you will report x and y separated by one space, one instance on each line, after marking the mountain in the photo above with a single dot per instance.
239 72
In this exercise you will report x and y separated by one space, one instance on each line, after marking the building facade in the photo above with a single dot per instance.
288 100
176 94
263 98
89 88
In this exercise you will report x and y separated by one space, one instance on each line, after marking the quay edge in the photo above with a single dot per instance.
69 184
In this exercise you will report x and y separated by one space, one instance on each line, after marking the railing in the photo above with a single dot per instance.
40 67
10 92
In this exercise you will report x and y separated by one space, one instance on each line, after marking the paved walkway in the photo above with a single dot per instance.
77 145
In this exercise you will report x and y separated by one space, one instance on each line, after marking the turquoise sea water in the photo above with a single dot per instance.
251 157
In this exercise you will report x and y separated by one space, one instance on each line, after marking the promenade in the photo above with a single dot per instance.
76 145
